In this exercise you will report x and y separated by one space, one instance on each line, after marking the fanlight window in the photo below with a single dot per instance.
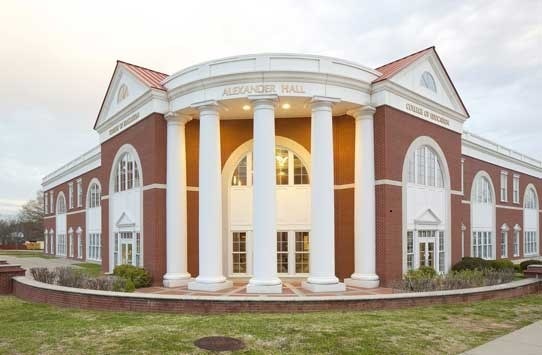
126 173
530 200
289 169
424 168
482 190
123 93
61 205
94 196
428 81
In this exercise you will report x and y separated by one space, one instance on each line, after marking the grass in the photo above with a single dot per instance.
90 269
37 328
26 254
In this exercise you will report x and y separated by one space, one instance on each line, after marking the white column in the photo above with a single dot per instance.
322 236
211 277
176 253
264 200
364 202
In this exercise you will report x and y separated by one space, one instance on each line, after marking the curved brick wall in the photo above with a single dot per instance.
33 291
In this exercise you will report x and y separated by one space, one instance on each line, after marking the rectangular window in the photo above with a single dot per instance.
282 252
94 249
45 203
51 202
412 167
301 177
410 250
302 252
61 244
431 168
239 177
420 162
138 249
116 252
516 243
130 175
71 245
281 166
504 186
79 193
504 244
515 189
70 195
239 252
482 245
441 251
79 246
45 239
529 244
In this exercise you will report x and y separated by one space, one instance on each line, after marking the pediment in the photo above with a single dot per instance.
445 94
125 87
125 221
428 217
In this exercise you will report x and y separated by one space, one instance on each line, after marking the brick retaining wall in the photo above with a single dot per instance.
33 291
7 272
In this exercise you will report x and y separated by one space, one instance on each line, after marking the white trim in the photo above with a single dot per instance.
455 192
483 174
192 188
388 182
344 186
75 212
105 197
465 202
509 207
154 186
49 217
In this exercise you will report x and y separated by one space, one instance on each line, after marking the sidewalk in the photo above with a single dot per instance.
524 341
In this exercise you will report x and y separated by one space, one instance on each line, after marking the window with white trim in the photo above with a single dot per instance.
70 195
293 252
46 241
302 252
504 186
239 252
61 205
94 196
504 243
516 242
94 248
427 81
530 243
410 250
530 199
126 173
45 203
79 193
515 188
424 168
282 252
70 237
79 244
61 244
51 201
482 244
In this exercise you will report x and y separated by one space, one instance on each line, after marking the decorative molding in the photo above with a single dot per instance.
465 202
154 186
510 207
344 186
456 192
388 182
192 188
76 212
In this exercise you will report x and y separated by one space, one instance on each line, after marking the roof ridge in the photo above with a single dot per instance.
405 57
139 66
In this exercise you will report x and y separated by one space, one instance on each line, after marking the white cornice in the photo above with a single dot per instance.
86 162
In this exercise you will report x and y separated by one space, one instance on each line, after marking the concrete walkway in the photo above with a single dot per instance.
28 262
524 341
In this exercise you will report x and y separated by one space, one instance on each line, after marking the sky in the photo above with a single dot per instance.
57 57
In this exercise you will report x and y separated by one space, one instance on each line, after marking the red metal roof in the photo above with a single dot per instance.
390 69
150 77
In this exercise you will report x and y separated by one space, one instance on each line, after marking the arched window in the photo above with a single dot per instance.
61 204
530 201
289 169
126 173
424 167
94 196
123 93
483 191
428 81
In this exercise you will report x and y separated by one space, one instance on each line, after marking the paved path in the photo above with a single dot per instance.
524 341
34 261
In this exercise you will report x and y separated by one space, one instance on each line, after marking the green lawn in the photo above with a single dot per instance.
90 269
36 328
26 254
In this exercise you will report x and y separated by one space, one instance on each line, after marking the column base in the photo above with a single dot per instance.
176 280
264 288
364 281
209 287
334 287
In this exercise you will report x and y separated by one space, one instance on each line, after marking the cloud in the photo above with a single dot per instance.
57 58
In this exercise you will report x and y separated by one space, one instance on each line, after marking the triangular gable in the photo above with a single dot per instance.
407 72
428 217
138 80
125 221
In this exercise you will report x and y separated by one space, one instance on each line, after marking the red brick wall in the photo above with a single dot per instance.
7 272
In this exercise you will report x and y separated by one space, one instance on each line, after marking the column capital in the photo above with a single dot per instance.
263 99
177 118
363 112
323 102
205 105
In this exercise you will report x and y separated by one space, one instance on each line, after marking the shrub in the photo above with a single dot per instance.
524 264
42 274
501 264
70 277
121 284
139 276
469 263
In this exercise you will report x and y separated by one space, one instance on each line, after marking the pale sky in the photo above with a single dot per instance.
57 57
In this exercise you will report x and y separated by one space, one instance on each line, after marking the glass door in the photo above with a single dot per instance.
427 253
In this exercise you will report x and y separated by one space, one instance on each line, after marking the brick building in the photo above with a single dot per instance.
276 166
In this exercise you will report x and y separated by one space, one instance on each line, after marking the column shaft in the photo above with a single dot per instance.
364 202
264 202
176 252
211 277
322 237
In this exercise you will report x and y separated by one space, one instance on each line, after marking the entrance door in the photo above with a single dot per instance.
126 253
427 253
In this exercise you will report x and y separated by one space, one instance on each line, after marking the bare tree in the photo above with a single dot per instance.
30 218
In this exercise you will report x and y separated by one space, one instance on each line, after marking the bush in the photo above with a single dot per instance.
501 264
469 263
70 277
524 264
139 276
42 274
121 284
